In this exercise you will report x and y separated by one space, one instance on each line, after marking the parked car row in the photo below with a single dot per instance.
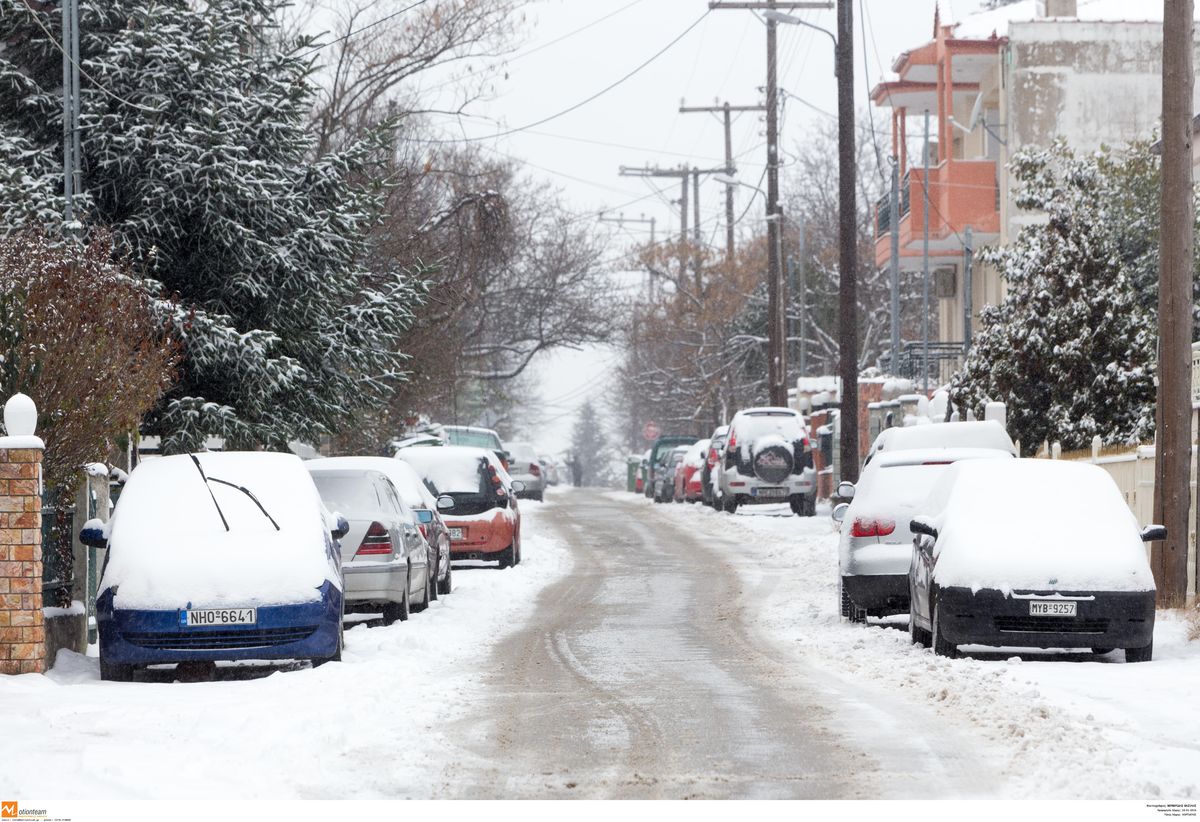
234 556
979 547
521 459
763 456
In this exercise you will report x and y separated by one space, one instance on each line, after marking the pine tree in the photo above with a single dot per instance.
589 446
196 156
1070 349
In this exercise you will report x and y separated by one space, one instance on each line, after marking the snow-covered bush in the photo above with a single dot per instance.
1071 349
196 153
77 334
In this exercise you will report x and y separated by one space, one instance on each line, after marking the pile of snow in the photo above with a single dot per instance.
1035 524
377 725
169 546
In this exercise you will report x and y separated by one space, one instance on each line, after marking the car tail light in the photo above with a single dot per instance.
535 469
731 443
867 527
377 541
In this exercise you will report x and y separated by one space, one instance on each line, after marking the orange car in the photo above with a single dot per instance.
477 499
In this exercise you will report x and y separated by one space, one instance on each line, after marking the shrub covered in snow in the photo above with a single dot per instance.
1071 349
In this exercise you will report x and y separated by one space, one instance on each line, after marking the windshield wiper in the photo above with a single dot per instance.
248 493
224 521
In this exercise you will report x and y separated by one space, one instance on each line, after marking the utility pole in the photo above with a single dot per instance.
894 264
1172 463
925 260
803 253
730 169
620 220
682 173
70 46
968 289
848 243
776 351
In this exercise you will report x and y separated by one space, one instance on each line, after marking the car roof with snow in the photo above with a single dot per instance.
971 434
452 469
1035 524
404 477
175 537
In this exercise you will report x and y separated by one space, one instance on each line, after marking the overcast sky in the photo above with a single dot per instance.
722 58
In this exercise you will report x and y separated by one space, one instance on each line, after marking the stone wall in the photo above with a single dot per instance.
22 632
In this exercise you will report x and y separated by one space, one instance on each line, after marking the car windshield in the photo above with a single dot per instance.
348 493
448 472
474 439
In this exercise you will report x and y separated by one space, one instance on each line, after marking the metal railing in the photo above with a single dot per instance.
945 358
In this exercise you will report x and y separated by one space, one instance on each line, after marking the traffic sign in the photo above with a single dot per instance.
650 431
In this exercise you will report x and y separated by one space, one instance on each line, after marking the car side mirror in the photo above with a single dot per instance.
92 535
1154 533
340 528
839 511
845 490
424 516
518 486
922 526
445 502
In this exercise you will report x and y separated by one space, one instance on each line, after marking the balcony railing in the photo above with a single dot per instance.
945 358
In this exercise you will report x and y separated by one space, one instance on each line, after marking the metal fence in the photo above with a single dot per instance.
58 515
945 358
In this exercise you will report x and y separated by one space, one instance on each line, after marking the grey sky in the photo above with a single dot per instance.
722 58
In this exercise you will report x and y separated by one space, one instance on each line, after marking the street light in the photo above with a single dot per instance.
793 20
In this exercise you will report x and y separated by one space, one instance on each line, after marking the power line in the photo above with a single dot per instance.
361 29
862 20
591 98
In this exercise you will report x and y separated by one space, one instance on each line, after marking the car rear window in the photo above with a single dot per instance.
348 493
753 426
474 439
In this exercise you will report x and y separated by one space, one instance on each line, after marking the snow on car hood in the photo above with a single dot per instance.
1027 524
168 547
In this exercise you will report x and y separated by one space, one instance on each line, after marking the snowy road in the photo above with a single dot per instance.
639 650
641 675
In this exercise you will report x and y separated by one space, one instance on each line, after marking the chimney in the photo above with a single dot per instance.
1058 8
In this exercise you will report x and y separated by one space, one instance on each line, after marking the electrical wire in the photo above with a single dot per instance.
862 19
592 97
361 29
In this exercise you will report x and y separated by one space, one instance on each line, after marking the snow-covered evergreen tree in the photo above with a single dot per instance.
196 155
1070 349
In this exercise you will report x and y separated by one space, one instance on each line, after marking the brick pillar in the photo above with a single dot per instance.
22 629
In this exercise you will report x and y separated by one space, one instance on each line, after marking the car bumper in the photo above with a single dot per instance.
375 582
484 540
746 488
1114 619
307 630
868 557
879 594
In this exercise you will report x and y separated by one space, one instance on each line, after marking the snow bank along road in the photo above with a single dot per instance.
373 726
637 651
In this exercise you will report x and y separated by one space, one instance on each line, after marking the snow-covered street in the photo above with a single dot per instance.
1044 724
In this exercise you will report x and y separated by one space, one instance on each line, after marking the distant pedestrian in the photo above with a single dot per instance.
576 470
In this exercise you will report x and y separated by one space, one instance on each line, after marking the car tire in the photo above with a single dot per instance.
940 646
796 501
729 505
435 589
1102 651
810 505
1140 654
427 597
115 671
507 557
844 599
446 585
397 611
916 633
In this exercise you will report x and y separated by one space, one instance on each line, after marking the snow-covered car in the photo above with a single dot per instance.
672 464
215 557
968 434
471 437
549 469
1031 553
768 459
388 563
875 543
710 473
524 465
687 476
485 520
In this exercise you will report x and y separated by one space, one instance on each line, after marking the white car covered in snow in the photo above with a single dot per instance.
768 458
970 434
875 543
1031 553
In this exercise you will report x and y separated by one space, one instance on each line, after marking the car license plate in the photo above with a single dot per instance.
218 616
456 533
770 492
1054 608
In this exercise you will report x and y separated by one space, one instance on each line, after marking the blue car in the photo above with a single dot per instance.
218 557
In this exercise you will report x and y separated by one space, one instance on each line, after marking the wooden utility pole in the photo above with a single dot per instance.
682 173
848 243
1173 455
730 169
776 325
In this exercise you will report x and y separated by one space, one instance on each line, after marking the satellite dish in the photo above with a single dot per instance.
976 111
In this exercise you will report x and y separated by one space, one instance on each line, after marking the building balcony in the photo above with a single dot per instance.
961 193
